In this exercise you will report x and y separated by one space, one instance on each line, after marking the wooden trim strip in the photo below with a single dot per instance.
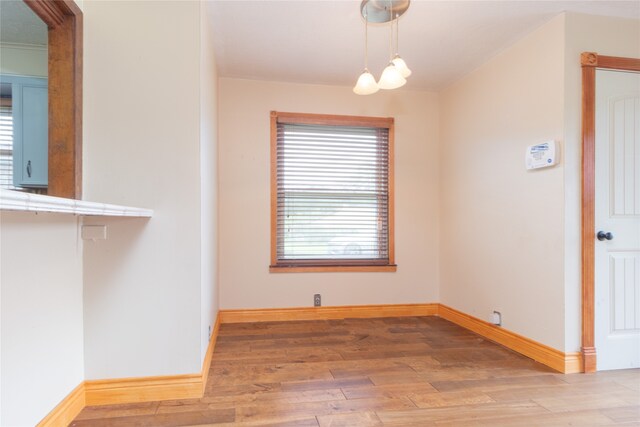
391 191
64 20
326 313
147 389
573 363
274 187
67 410
555 359
209 356
332 120
591 61
617 63
65 108
50 12
588 212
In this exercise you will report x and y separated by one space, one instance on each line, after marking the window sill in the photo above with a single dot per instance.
26 202
334 269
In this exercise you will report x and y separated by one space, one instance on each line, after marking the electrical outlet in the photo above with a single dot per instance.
317 300
496 318
209 331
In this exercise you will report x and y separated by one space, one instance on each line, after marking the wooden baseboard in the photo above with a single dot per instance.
589 359
209 356
555 359
67 410
327 313
132 390
145 389
573 363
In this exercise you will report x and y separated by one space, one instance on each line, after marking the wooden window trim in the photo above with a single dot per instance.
339 265
64 20
591 61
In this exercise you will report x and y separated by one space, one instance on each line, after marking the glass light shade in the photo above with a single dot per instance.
391 78
366 84
401 66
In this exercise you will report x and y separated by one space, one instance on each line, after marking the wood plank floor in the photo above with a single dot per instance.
411 371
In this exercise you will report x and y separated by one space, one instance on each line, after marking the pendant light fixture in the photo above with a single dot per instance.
391 77
366 84
394 75
397 60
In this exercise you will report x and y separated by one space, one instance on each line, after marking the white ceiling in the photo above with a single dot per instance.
323 41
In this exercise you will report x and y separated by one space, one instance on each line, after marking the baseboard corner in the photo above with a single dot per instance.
551 357
69 408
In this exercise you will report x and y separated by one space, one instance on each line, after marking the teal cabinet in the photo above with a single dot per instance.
30 130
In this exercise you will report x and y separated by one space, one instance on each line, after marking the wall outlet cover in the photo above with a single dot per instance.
496 318
94 232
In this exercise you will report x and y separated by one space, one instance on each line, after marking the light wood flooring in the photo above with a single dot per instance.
411 371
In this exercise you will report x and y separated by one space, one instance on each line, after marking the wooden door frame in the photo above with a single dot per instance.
64 21
591 61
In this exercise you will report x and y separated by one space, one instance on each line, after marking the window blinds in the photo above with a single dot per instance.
332 194
6 147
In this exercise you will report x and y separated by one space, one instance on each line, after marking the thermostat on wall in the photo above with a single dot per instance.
541 155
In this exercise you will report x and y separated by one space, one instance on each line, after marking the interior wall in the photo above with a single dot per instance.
244 197
41 329
23 60
208 180
502 226
142 286
605 36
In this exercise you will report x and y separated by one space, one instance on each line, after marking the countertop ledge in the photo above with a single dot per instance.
27 202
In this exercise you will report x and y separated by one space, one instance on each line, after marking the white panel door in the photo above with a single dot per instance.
617 256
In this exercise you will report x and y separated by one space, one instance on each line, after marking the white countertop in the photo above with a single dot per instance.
27 202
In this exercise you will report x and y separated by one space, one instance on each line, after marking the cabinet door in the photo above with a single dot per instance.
31 132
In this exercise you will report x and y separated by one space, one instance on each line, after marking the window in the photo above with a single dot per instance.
6 144
331 193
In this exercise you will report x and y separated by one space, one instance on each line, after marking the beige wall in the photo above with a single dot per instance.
41 330
245 281
146 291
518 232
208 180
142 142
606 36
41 307
502 226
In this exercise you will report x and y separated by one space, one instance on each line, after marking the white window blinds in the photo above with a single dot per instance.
332 194
6 147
